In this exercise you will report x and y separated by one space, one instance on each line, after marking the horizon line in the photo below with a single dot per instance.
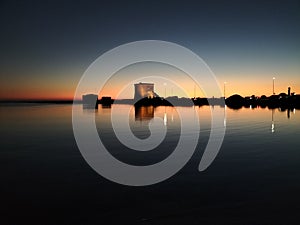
79 100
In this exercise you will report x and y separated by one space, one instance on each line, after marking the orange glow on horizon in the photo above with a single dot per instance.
67 93
177 84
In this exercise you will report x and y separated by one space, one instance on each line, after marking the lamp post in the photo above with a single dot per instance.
165 84
273 85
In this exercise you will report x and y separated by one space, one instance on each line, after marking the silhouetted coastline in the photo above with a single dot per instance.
42 101
274 101
235 101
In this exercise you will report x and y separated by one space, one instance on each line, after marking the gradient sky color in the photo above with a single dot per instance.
47 45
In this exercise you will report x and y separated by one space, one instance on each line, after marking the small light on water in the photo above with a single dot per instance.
165 119
225 122
294 111
273 127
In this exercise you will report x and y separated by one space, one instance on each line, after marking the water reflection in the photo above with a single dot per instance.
170 118
89 106
273 123
288 115
89 110
165 119
225 121
105 106
144 113
251 160
288 111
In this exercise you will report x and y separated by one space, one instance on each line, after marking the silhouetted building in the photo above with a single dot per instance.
289 91
90 101
106 101
144 90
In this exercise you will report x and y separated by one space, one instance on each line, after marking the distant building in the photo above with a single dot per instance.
106 101
144 90
90 101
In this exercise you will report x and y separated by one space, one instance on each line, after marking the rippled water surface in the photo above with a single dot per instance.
255 178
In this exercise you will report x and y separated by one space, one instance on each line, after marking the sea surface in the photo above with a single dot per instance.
255 178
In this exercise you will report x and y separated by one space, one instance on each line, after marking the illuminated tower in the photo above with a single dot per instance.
144 90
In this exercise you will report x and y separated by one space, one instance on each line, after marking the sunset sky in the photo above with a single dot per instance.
46 46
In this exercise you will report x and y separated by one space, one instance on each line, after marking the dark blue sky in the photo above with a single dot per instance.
55 41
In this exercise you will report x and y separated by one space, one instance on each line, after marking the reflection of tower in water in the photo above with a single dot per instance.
144 113
225 121
273 123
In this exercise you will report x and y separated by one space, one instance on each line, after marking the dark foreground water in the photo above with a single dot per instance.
255 178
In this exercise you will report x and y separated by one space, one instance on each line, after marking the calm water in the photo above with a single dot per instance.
255 178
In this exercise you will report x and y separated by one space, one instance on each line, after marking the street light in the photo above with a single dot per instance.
273 85
165 84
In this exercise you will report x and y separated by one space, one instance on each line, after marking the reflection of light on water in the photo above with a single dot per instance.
294 111
250 106
273 124
225 122
273 127
165 119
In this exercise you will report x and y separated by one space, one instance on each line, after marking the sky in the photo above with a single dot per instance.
46 46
